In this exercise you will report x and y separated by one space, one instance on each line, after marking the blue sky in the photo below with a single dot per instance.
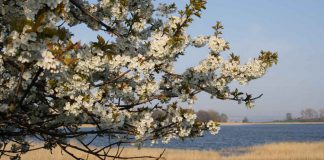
293 28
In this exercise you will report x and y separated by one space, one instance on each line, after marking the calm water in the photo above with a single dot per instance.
248 135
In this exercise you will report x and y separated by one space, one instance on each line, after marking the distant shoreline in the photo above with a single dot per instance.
253 123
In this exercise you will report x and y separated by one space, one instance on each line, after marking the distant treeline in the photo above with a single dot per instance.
207 115
202 115
307 115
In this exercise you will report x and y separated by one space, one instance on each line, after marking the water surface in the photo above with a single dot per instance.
247 135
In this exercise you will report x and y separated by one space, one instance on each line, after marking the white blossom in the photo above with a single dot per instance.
200 41
213 127
190 117
49 62
216 44
27 75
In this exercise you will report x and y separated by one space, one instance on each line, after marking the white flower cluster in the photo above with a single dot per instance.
88 62
162 46
88 101
144 125
75 108
187 120
244 73
211 63
147 89
174 22
49 62
137 63
213 127
200 41
111 116
159 47
27 75
116 7
21 41
71 86
190 117
31 7
139 25
217 44
250 104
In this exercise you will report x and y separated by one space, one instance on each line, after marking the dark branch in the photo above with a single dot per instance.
84 11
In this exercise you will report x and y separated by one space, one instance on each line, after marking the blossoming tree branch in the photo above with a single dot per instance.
50 85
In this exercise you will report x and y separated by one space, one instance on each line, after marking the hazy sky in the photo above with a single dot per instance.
294 28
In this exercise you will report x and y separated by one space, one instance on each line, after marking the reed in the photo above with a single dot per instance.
275 151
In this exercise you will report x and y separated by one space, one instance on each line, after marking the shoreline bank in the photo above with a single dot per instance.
282 150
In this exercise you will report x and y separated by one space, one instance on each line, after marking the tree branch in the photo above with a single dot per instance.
40 70
84 11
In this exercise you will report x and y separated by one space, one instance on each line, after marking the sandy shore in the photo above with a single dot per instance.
275 151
